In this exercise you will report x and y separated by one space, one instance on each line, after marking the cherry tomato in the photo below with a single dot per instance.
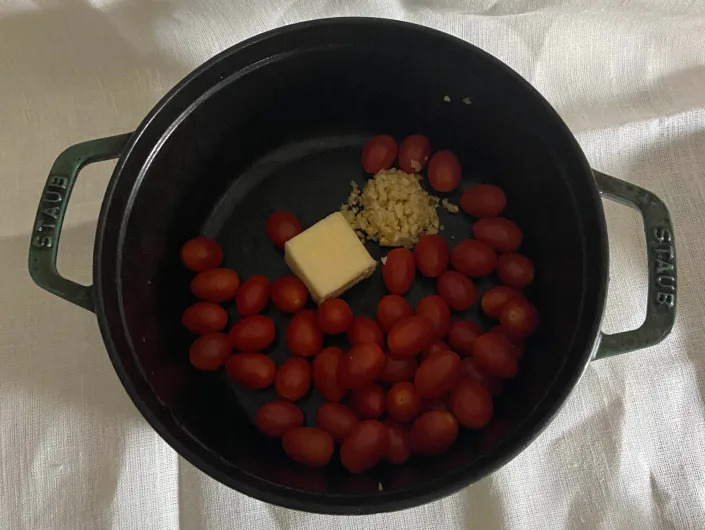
293 379
433 432
444 171
431 255
361 365
253 371
379 153
471 404
201 253
282 226
390 309
334 316
410 335
483 200
364 446
519 318
457 290
515 270
434 348
399 449
518 345
494 298
368 402
414 151
204 317
253 295
403 402
325 373
493 354
336 419
492 383
363 330
303 336
436 310
209 352
398 271
276 417
473 258
255 333
398 369
435 404
462 334
289 294
215 285
309 446
501 234
437 375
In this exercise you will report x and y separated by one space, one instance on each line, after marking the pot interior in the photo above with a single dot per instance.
280 124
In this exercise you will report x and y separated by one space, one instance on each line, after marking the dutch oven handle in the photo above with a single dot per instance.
44 246
661 257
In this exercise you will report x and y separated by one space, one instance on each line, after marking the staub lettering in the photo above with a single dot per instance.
663 255
49 211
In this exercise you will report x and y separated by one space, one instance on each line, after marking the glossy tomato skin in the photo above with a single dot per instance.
209 352
434 348
361 365
492 383
494 299
309 446
410 336
515 270
293 379
334 316
337 419
254 333
379 153
363 330
398 271
368 402
493 354
518 346
433 432
437 375
431 255
252 296
282 226
215 285
457 290
473 258
444 171
499 233
436 310
204 317
303 336
519 318
289 294
201 253
390 309
364 446
399 443
398 369
273 419
414 151
471 404
325 373
483 200
403 402
254 371
462 334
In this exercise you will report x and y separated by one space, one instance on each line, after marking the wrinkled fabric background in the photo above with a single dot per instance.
627 450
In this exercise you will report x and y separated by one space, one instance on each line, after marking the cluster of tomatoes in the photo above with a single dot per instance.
411 376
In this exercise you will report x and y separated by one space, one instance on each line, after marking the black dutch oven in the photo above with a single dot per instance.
278 122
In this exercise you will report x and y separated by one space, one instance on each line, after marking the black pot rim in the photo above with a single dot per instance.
383 501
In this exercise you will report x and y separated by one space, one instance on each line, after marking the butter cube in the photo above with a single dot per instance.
328 257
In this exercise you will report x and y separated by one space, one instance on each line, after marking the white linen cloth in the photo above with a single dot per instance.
628 449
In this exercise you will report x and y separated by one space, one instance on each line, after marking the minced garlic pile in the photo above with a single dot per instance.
393 209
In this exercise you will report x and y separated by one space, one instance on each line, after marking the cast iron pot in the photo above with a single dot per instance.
278 122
